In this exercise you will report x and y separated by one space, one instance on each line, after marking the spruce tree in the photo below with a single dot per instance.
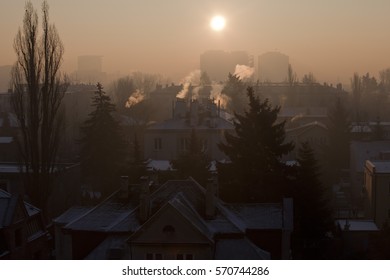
194 162
102 145
337 151
255 150
313 214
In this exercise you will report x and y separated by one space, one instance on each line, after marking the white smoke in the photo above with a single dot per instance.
192 78
217 95
135 98
243 71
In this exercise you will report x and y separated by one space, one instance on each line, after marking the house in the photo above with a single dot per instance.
168 139
377 191
356 236
361 151
22 231
315 133
299 116
177 220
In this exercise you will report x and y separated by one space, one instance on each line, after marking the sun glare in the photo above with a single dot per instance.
217 23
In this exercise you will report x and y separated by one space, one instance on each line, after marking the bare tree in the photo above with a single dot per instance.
38 90
292 78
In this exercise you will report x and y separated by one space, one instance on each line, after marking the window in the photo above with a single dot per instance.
157 144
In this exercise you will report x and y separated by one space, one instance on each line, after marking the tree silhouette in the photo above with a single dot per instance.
38 90
102 145
313 214
193 162
337 150
255 151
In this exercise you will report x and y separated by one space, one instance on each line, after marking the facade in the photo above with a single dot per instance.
22 231
168 139
315 133
377 191
177 220
89 69
273 67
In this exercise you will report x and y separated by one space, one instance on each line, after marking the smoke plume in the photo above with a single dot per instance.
192 78
243 71
135 98
217 95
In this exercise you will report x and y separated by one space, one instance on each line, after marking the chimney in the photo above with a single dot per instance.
211 200
144 199
124 190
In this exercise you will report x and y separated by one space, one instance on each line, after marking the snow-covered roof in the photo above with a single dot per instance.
362 151
6 140
182 124
357 225
381 166
162 165
259 215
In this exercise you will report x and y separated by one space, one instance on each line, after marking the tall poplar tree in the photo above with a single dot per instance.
38 91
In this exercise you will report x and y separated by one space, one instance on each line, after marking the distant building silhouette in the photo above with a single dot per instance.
89 69
5 77
218 64
273 67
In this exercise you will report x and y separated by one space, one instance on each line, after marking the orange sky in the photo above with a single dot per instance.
332 38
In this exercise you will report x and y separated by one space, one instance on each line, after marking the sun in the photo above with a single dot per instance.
217 23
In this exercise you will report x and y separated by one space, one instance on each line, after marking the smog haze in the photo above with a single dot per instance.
332 39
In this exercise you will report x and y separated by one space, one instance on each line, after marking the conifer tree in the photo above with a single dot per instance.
337 151
102 151
194 162
313 214
255 150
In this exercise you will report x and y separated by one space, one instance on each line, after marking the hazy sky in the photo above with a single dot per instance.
331 38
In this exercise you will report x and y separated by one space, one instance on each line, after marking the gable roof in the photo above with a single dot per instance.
10 205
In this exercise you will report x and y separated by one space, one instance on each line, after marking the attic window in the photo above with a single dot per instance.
168 229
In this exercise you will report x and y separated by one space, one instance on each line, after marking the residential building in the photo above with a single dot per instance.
168 139
23 234
177 220
273 67
314 133
377 191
